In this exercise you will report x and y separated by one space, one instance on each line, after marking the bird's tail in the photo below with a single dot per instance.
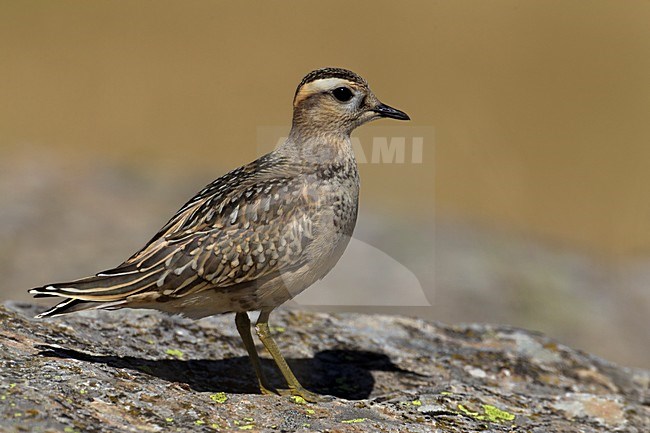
102 291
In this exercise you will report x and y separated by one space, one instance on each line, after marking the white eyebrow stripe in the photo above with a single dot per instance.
326 84
318 86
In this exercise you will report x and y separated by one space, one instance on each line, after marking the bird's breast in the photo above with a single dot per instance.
334 215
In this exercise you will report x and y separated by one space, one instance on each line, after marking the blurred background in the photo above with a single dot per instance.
530 205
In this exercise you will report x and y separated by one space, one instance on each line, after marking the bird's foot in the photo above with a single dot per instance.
305 394
265 390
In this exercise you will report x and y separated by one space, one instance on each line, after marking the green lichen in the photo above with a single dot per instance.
495 414
169 419
353 421
199 422
175 353
298 400
491 413
246 427
416 402
310 411
219 397
468 412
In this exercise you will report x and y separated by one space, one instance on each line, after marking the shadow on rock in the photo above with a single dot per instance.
341 373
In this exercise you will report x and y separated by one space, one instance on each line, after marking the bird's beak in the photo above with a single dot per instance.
385 111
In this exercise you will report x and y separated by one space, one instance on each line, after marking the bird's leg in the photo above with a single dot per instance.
295 388
244 327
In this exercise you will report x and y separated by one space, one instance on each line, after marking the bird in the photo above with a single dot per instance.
256 236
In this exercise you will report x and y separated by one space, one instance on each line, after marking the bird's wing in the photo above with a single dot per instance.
241 228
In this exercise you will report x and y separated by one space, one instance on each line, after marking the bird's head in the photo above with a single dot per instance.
334 100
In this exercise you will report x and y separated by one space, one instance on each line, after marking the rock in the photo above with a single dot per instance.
142 371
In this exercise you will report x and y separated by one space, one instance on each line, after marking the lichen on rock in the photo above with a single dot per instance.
140 371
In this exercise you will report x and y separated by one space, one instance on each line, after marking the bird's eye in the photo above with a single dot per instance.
343 94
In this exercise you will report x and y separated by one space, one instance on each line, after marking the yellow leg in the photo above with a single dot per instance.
295 388
244 327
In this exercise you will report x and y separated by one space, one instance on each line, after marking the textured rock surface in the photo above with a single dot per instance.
143 371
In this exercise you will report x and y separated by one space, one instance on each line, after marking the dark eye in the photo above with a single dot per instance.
343 94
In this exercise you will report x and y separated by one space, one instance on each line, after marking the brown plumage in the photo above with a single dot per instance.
258 235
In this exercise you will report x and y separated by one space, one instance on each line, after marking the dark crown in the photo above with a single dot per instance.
323 73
